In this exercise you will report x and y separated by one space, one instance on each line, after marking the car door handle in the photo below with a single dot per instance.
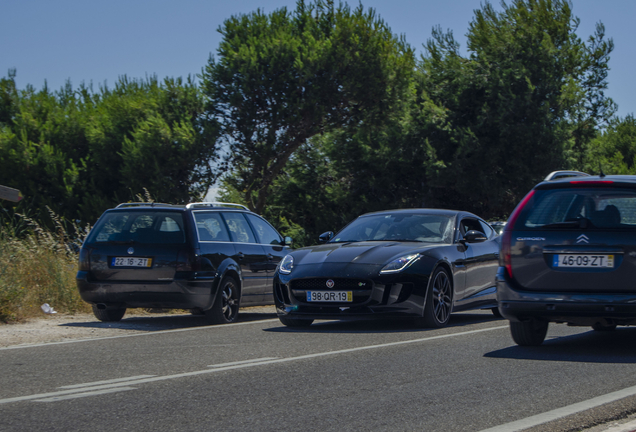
241 255
270 257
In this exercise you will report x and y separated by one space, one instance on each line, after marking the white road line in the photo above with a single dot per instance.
152 333
241 362
563 412
91 384
85 394
247 365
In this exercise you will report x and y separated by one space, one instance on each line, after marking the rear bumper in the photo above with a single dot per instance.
188 293
573 308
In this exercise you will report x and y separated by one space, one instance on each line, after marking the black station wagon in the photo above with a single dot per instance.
206 257
568 255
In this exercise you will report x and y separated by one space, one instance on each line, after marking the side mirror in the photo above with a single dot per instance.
474 236
325 237
287 241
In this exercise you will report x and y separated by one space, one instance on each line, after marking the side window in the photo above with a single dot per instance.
169 225
470 224
264 231
211 227
485 228
239 228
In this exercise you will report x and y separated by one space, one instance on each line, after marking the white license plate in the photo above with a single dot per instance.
131 262
329 296
586 261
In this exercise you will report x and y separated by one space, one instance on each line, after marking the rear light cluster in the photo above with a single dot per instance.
591 182
506 239
85 259
188 260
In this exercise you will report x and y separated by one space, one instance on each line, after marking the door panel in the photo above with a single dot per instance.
251 257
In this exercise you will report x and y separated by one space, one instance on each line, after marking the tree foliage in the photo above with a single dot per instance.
79 152
614 150
525 102
285 77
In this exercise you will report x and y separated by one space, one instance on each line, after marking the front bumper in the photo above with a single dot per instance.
379 296
184 292
584 309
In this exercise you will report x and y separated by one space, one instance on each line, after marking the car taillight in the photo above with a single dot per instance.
591 182
85 259
188 260
506 238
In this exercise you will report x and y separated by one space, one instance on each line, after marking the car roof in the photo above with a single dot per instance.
592 180
193 206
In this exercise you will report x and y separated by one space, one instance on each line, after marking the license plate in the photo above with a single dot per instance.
585 261
131 262
329 296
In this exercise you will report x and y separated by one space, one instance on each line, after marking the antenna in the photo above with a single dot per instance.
600 168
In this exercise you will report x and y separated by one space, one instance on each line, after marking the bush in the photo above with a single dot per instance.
37 266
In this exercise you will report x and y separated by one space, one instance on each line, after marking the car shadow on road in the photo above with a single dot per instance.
388 325
160 322
617 346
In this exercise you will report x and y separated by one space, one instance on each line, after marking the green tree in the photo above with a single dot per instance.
79 152
525 102
283 78
614 150
148 135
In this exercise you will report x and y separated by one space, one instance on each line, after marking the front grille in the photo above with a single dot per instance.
339 284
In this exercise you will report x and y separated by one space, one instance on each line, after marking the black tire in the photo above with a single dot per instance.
226 305
495 312
529 333
294 322
603 328
439 301
109 315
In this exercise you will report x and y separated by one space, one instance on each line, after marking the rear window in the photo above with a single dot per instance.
581 208
139 227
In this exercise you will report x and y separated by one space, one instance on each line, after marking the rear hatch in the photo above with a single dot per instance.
136 245
576 236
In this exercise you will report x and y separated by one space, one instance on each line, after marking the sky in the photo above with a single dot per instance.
99 41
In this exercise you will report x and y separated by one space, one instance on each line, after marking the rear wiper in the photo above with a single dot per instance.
578 223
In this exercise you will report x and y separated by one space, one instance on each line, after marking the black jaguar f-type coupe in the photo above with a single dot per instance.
420 264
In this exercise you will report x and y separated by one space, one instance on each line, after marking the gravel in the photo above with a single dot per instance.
62 327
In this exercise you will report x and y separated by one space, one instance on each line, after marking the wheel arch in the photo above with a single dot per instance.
439 264
227 268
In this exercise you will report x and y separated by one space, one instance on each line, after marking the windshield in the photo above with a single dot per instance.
139 227
582 208
398 227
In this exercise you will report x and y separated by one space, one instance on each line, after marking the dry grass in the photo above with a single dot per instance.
38 266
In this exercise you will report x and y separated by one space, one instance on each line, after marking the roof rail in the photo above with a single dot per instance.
146 204
216 204
556 175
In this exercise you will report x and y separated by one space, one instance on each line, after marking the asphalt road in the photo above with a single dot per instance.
334 376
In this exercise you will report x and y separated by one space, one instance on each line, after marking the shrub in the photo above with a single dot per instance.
38 266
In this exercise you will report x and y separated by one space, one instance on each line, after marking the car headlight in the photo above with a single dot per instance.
286 264
399 264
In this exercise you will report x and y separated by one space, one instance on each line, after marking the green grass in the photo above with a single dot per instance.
37 266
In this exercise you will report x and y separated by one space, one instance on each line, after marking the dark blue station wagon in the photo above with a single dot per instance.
209 258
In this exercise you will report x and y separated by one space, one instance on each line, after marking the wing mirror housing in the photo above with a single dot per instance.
474 236
325 237
287 241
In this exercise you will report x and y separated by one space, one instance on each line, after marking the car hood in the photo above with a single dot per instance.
369 253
